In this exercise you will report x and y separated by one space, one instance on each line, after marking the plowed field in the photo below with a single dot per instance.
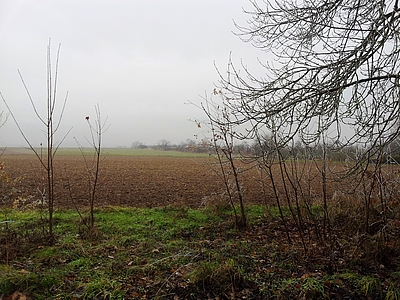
140 181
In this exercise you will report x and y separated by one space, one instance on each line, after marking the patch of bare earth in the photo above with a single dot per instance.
128 180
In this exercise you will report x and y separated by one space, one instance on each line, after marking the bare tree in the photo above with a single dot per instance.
164 144
222 130
336 68
332 83
96 134
138 145
52 125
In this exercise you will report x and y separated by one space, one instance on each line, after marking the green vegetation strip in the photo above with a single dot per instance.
165 253
112 152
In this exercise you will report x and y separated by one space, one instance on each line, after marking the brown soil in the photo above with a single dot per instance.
128 180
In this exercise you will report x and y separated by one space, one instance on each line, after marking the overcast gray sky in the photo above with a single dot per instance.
140 60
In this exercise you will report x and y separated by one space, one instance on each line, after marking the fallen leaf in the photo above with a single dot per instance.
328 284
304 277
18 296
338 282
134 294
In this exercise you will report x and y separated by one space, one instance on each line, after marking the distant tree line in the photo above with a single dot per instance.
295 150
334 152
189 145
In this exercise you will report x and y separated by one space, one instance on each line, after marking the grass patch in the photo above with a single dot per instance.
176 251
111 152
150 152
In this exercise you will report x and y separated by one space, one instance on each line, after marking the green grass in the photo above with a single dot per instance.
113 152
150 152
162 252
